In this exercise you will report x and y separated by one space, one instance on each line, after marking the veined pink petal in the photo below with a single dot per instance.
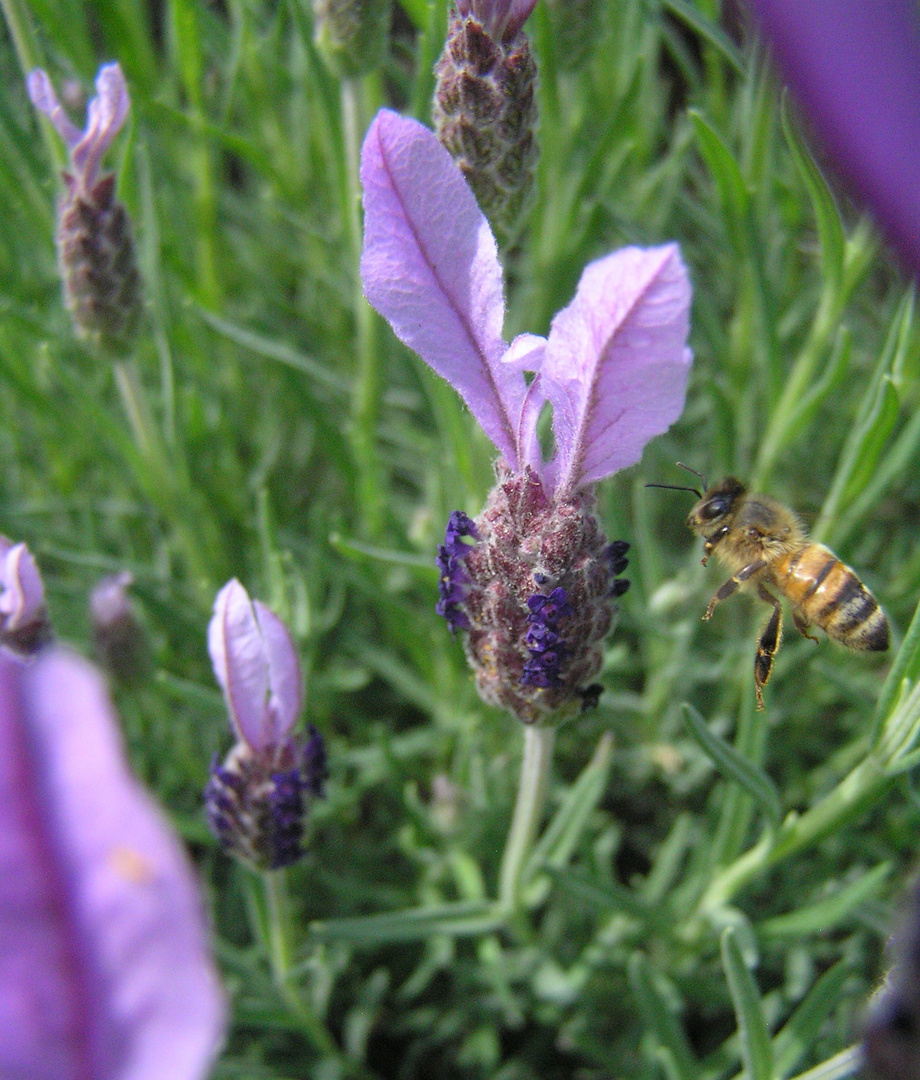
285 682
104 965
106 113
238 655
617 362
430 267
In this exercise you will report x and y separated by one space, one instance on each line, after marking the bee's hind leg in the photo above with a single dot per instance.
768 645
732 584
803 626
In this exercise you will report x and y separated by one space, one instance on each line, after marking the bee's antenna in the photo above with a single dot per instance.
677 487
681 465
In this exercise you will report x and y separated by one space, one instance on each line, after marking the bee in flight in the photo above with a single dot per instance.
765 546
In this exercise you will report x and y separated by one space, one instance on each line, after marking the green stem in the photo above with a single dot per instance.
367 392
281 957
528 810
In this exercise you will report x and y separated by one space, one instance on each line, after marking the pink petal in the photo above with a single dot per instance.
238 655
616 362
23 598
284 677
106 114
43 97
104 965
430 266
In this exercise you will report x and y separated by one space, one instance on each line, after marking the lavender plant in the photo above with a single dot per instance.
692 890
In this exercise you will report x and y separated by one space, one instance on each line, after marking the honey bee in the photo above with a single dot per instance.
765 546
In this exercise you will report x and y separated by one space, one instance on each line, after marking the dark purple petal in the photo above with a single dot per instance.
430 267
616 363
104 965
855 67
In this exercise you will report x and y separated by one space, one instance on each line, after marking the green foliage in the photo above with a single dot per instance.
711 890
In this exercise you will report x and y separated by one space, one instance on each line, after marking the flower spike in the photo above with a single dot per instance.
256 799
533 592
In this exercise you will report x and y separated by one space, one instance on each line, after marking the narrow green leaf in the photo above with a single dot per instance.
659 1019
709 31
828 913
733 766
756 1048
726 173
841 1066
798 1034
464 919
605 896
827 216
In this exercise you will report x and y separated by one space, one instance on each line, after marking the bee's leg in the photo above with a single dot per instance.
732 584
768 644
802 625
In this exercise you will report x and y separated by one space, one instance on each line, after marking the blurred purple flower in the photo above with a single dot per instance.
531 581
255 799
614 366
104 964
106 113
24 625
855 68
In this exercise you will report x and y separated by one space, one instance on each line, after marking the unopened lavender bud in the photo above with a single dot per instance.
119 639
485 106
24 624
534 594
102 285
256 800
352 35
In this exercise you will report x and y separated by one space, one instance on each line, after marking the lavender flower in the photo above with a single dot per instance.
255 799
533 592
485 106
102 285
855 68
24 624
104 963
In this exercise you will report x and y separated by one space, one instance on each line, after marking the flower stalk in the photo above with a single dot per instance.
533 788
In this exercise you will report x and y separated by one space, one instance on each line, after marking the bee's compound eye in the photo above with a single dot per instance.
715 508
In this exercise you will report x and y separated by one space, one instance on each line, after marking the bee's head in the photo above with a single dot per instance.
716 508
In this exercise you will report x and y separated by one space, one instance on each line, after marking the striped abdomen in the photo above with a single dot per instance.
828 594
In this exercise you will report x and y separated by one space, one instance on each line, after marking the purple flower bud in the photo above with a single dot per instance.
257 667
256 800
102 286
104 961
24 624
119 639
